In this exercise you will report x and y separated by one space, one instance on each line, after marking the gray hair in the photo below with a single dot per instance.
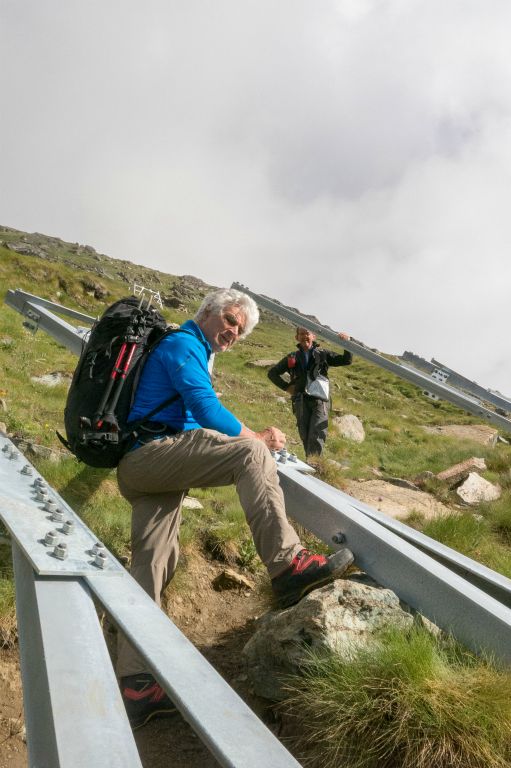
217 301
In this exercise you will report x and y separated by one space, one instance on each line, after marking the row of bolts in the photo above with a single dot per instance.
283 456
57 515
98 551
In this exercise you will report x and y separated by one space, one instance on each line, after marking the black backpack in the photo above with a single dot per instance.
105 381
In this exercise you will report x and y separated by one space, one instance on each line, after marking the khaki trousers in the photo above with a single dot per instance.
154 479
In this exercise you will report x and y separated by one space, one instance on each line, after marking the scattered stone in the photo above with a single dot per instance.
338 464
260 363
3 404
476 489
396 501
350 427
3 427
26 249
477 433
340 617
401 483
229 579
423 477
34 449
280 399
52 379
459 472
189 502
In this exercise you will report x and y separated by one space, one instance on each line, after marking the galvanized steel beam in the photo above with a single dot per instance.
226 725
52 608
454 604
74 712
415 377
458 380
17 299
38 316
492 583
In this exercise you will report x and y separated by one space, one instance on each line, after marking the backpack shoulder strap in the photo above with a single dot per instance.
169 400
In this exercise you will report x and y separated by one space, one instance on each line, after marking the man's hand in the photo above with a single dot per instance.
272 437
291 389
344 336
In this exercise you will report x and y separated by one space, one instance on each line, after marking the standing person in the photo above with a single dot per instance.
309 364
197 442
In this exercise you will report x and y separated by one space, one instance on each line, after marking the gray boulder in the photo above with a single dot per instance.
350 427
476 489
340 617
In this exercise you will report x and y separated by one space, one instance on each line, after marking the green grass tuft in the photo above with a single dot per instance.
408 701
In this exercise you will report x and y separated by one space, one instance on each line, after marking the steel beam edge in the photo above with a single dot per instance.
477 620
74 712
487 580
414 377
17 299
64 333
221 719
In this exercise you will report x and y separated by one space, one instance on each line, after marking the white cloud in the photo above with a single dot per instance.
350 158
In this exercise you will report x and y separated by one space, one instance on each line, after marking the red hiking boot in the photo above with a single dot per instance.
144 699
307 572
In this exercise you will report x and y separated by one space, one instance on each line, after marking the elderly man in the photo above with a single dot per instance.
197 442
307 383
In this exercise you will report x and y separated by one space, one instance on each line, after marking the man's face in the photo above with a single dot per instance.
224 329
304 338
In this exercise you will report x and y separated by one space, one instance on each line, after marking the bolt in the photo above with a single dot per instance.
293 457
42 494
283 458
60 551
58 516
339 538
14 455
27 470
6 448
50 505
273 452
68 527
51 538
100 559
98 547
38 482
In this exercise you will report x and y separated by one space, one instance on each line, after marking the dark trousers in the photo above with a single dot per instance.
312 422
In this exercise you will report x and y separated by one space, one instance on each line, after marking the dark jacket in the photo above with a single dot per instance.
294 364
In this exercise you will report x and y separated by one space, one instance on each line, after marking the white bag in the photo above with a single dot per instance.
318 387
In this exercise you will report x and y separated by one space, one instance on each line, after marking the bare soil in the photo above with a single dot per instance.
218 623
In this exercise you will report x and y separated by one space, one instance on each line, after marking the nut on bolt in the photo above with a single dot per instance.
50 505
339 538
42 494
57 516
27 470
60 551
51 538
100 559
98 547
68 527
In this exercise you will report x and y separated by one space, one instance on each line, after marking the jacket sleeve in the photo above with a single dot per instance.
275 374
334 359
191 379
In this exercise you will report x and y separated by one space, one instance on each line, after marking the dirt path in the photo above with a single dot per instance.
218 623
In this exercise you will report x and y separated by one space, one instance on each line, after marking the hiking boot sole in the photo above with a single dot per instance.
340 561
156 714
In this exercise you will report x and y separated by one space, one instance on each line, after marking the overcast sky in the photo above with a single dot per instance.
351 158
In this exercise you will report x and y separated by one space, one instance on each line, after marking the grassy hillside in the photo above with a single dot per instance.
393 412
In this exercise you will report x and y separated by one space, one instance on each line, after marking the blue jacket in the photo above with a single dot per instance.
179 364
